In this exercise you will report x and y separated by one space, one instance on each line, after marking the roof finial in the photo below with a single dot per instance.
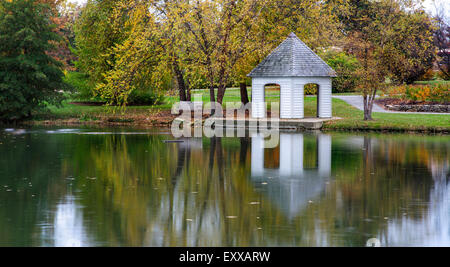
292 34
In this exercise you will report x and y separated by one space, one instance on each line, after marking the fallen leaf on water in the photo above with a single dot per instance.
254 203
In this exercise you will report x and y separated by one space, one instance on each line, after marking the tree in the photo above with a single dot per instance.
135 57
390 38
371 74
219 31
97 30
345 67
408 46
29 76
176 55
442 41
402 33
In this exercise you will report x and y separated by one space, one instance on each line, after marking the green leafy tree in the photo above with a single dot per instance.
97 30
29 76
135 58
345 66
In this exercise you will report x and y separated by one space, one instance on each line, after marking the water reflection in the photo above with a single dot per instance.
66 229
73 189
291 187
431 228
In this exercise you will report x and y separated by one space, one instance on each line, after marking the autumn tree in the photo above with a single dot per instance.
442 41
390 38
177 55
135 57
97 31
408 48
219 31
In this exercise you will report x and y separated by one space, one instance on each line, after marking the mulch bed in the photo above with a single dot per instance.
396 104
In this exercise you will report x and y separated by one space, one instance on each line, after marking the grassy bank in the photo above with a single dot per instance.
160 115
352 120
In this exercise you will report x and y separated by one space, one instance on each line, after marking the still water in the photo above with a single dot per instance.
85 187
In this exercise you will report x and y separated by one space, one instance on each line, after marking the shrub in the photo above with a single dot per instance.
440 93
418 93
310 89
429 75
434 93
138 97
80 83
345 67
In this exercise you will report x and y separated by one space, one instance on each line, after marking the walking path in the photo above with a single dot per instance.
357 101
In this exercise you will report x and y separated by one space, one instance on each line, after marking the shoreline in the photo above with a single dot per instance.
111 122
146 117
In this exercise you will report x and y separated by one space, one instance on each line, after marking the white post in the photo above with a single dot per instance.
324 154
257 164
258 100
286 100
291 154
298 98
324 99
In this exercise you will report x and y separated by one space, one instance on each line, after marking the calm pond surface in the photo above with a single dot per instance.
91 187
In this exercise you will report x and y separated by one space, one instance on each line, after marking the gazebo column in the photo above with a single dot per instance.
324 154
291 154
258 101
257 164
324 99
298 98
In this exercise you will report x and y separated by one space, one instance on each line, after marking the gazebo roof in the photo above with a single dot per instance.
292 58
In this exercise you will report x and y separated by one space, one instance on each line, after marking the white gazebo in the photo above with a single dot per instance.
292 65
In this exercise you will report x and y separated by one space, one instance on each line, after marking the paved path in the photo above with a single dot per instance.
357 101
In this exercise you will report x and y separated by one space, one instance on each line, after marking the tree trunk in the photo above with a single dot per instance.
244 93
212 99
367 108
221 93
188 93
367 115
180 82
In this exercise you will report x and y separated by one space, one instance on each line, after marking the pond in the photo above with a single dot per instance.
110 187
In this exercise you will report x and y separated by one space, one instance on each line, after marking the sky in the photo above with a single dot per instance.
428 4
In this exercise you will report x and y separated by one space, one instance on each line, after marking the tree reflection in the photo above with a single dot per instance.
136 190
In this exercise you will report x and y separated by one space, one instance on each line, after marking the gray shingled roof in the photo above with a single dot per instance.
292 58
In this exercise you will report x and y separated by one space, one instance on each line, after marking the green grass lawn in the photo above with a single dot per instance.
352 118
433 82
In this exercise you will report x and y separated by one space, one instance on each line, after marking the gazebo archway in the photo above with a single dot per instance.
272 93
311 91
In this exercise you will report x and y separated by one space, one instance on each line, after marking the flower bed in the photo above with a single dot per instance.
417 98
439 93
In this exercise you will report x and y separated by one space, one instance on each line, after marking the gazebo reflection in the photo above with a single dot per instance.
291 187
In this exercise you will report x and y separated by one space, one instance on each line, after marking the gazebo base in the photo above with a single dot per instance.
268 123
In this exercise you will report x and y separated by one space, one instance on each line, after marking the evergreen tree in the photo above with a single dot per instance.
29 76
